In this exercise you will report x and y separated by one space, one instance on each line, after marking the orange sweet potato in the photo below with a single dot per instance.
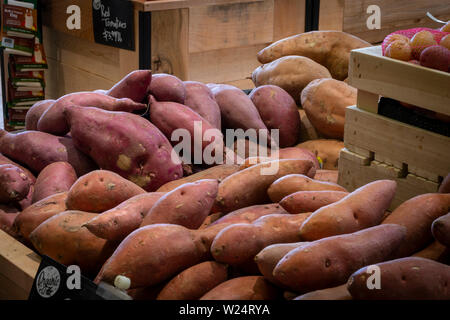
335 293
291 183
441 229
100 190
268 258
417 215
218 172
310 201
250 214
327 175
243 288
7 215
409 278
435 251
63 238
248 187
238 244
188 205
134 86
330 261
363 208
55 178
326 149
35 112
30 218
120 221
194 282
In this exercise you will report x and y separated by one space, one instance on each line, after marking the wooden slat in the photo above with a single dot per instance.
289 18
402 142
395 15
129 60
180 4
331 15
170 42
403 81
224 65
230 26
18 264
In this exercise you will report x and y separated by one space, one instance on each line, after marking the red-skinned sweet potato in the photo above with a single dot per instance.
53 120
335 293
409 278
292 183
194 282
39 149
100 190
248 187
63 238
278 110
327 175
167 87
30 218
5 160
417 215
363 208
445 185
200 99
55 178
35 112
125 143
7 215
134 86
243 288
435 251
250 214
330 261
14 184
441 229
310 201
188 205
120 221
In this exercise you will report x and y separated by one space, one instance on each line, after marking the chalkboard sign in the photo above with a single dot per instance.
113 23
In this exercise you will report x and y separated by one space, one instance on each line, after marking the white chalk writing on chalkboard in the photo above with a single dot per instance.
116 23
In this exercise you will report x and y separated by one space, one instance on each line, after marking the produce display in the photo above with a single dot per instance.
182 190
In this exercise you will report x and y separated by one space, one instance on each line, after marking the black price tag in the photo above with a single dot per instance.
113 23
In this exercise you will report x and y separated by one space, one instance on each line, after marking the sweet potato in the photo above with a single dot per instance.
126 144
249 186
292 73
310 201
268 258
239 243
445 185
329 48
327 175
200 99
39 149
210 220
307 130
14 184
409 278
7 215
441 229
120 221
250 214
363 208
5 160
435 251
100 190
243 288
245 148
335 293
218 172
292 183
182 117
329 262
188 205
278 111
325 102
63 239
166 87
30 218
236 108
55 178
35 112
134 86
194 282
53 120
417 215
152 254
326 149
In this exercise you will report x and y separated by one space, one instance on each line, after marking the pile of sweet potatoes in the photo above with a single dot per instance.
106 189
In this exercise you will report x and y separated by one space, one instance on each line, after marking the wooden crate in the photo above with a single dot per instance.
18 267
381 148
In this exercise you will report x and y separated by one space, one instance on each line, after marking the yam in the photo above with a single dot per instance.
55 178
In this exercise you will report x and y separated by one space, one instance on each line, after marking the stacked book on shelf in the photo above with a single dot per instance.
22 41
